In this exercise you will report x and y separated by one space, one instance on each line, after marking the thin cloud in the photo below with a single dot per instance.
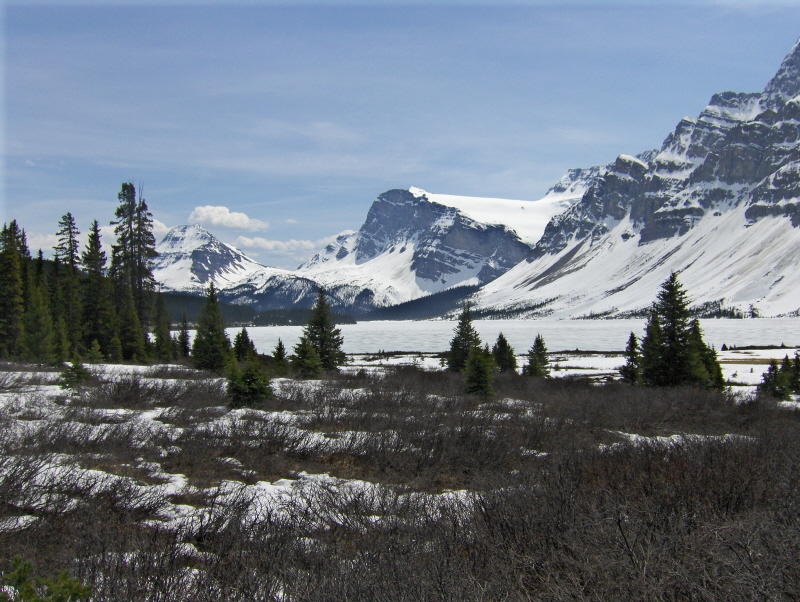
221 216
280 247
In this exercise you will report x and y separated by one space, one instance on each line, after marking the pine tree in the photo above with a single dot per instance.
280 363
653 373
132 256
322 333
504 355
479 372
99 317
184 348
243 347
247 386
211 348
11 292
673 350
631 372
672 307
163 347
66 251
131 335
306 362
465 339
38 339
537 359
774 382
94 355
61 346
794 380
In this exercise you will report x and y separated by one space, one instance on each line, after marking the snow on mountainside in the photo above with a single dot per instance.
190 258
719 203
415 243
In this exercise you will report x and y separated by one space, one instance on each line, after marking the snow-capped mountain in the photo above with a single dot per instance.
190 258
415 243
719 203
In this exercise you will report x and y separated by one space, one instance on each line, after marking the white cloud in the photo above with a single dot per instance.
290 220
160 229
218 215
280 247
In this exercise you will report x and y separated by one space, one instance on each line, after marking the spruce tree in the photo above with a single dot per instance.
184 348
479 372
211 348
465 339
775 382
305 361
537 359
39 344
243 347
131 336
99 317
280 362
673 350
162 344
672 307
322 333
504 355
12 306
653 372
132 256
66 253
249 385
631 371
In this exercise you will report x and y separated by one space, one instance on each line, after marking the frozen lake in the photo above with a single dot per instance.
594 335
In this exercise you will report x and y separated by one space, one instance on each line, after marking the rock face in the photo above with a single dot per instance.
190 258
410 245
738 160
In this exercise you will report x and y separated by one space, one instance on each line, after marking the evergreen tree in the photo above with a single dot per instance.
504 355
39 344
794 380
115 350
280 363
537 359
465 339
243 347
99 317
94 355
163 347
131 336
653 373
211 348
66 251
322 333
673 350
132 256
774 382
306 362
247 386
479 372
184 348
69 297
61 346
12 306
631 372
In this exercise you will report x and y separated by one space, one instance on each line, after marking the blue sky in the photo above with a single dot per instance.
276 126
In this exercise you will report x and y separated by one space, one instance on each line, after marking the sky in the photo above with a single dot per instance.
275 126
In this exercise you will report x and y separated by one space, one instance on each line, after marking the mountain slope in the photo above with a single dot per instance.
414 243
190 258
718 202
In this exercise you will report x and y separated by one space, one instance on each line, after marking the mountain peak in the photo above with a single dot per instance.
786 83
185 238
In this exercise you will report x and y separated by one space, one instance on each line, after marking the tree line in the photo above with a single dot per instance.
79 305
672 353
